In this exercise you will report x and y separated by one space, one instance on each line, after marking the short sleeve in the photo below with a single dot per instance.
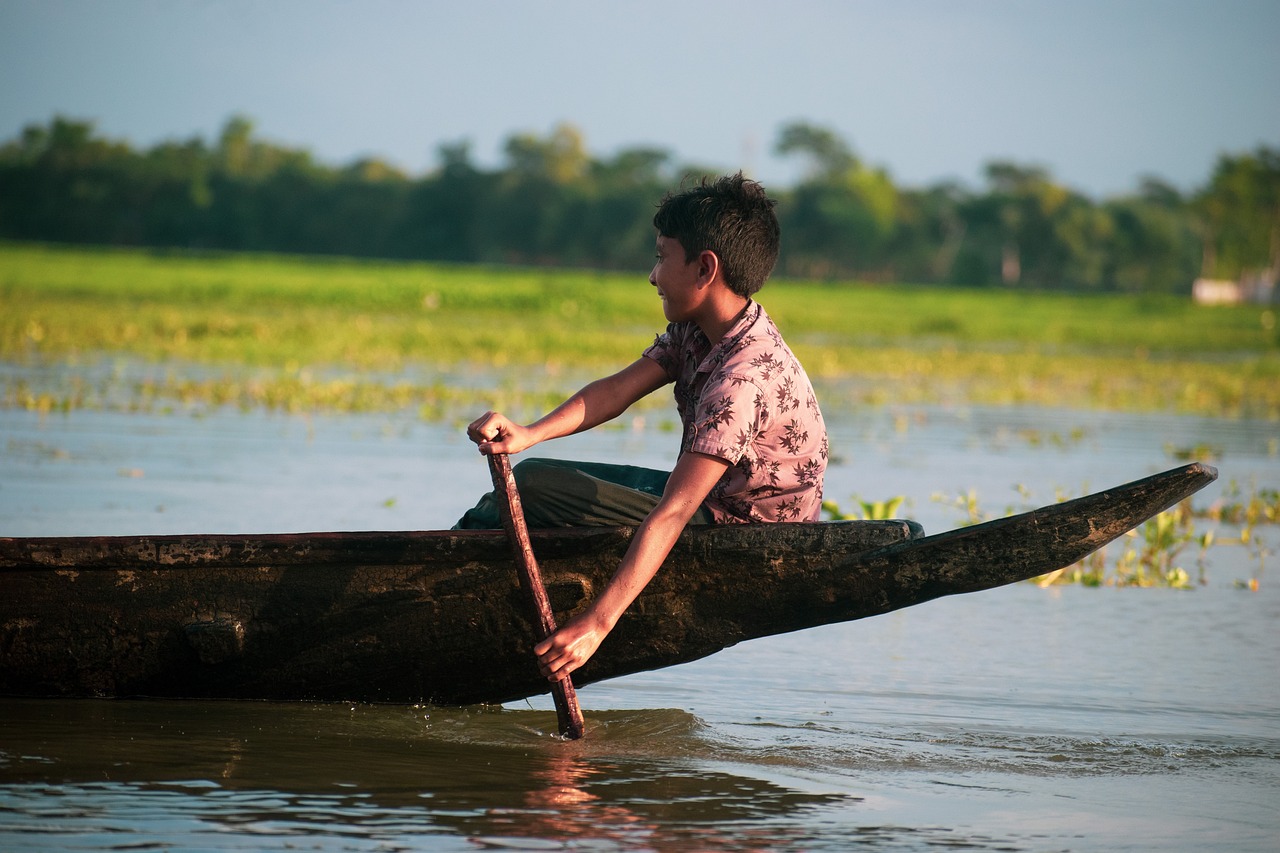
665 350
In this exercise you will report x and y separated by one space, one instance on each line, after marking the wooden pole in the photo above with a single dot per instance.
504 485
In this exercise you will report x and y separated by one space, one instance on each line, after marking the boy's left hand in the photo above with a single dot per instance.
494 432
570 647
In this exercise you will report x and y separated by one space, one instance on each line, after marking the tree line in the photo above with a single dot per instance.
553 203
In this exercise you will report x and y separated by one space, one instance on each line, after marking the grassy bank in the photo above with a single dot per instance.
336 334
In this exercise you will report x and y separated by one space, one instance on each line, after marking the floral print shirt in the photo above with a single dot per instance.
747 401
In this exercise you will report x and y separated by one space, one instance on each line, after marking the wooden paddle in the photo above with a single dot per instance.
504 485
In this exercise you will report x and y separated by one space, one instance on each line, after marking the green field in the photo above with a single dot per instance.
324 334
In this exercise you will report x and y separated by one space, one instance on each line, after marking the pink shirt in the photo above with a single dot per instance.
748 401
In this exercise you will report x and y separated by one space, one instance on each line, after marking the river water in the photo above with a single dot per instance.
1021 718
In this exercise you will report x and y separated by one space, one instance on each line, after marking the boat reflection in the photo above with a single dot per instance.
494 777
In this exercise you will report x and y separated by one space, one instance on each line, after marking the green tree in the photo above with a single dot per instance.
552 202
235 146
1028 230
1152 246
841 217
446 217
1239 213
828 155
929 232
560 158
614 229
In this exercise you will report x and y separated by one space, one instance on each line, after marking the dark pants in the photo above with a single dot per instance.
555 493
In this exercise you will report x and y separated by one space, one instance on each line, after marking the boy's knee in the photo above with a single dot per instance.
531 475
522 468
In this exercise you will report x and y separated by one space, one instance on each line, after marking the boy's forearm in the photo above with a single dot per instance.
648 550
566 419
575 642
598 401
689 485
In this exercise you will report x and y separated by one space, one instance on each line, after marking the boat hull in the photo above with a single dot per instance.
437 617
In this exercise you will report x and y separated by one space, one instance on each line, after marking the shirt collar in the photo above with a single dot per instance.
732 339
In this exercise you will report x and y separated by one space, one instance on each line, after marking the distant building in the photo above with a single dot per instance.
1256 289
1208 291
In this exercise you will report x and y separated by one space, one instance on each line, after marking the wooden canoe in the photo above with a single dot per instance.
437 616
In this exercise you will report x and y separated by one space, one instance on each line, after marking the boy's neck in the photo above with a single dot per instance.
722 315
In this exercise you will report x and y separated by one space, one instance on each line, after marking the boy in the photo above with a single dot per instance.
754 447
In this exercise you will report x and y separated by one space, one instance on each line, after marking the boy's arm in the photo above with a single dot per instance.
577 640
599 401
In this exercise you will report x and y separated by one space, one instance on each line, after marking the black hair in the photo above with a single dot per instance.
733 217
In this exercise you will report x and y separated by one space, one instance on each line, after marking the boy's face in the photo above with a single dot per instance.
676 280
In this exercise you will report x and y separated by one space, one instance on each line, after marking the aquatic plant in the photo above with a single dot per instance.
966 503
1261 506
1201 452
861 344
1152 554
870 510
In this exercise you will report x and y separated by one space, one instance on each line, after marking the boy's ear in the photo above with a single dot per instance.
708 267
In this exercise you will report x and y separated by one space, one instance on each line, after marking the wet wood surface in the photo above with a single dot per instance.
438 616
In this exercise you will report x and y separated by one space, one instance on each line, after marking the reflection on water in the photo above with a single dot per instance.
166 772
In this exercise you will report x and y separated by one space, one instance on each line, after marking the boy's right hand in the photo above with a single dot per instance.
496 433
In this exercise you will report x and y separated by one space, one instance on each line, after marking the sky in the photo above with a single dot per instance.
1100 93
